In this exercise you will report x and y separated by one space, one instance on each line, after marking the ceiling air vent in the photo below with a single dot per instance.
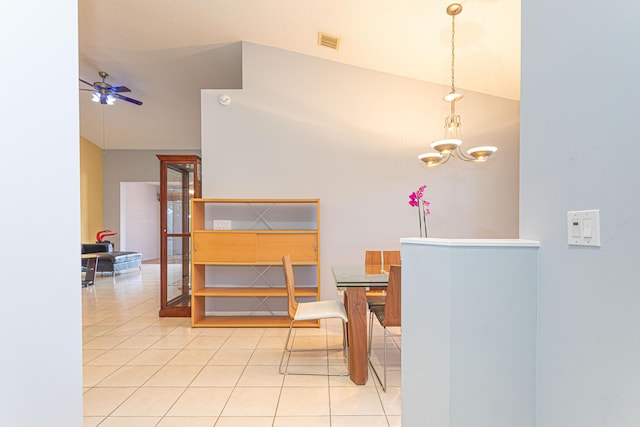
326 40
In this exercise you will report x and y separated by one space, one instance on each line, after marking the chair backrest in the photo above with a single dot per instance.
373 258
373 261
292 304
391 258
393 304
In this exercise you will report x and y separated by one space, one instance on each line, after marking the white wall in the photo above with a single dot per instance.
40 320
580 150
140 218
469 333
128 166
311 128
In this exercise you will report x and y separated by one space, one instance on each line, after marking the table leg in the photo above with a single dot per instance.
90 272
356 304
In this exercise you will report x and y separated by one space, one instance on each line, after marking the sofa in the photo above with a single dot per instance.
109 260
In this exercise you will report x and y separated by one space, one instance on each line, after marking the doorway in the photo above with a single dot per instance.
139 219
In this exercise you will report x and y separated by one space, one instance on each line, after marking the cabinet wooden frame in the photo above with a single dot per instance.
250 247
189 167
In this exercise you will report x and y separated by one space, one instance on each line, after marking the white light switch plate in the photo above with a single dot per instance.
583 228
221 224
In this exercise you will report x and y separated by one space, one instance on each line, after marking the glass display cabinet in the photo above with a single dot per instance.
180 180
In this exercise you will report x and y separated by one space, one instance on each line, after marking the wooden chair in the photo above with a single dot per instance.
389 258
388 315
315 310
373 261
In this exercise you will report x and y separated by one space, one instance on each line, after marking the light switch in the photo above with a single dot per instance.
587 227
583 227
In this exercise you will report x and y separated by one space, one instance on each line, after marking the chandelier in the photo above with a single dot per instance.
449 146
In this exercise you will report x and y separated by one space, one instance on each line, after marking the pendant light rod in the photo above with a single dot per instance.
453 10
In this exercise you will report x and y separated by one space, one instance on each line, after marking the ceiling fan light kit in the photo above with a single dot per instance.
106 94
103 99
449 146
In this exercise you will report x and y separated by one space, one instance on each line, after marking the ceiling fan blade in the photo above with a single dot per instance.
126 98
119 89
86 82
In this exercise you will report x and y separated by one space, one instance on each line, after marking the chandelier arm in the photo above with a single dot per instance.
462 156
445 159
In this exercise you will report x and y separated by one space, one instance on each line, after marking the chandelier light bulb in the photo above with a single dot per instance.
446 146
481 154
430 159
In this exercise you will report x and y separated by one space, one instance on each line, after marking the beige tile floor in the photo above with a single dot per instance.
140 370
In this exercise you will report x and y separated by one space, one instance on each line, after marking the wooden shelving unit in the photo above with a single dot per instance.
251 236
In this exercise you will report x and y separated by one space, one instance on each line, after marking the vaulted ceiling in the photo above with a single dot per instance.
165 51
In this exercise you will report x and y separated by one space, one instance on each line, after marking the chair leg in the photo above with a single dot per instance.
384 386
383 380
389 335
370 334
289 350
345 349
286 350
344 336
373 368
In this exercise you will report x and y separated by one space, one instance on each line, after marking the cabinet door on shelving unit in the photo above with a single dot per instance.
224 247
302 247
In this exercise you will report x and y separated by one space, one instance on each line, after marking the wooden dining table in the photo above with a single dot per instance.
354 281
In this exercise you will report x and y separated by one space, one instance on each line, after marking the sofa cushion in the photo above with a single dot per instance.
117 257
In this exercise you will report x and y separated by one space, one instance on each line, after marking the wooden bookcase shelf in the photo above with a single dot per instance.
250 322
254 292
249 236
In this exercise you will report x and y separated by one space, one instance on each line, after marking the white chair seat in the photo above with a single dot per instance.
321 310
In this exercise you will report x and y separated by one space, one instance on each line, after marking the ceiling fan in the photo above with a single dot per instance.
104 93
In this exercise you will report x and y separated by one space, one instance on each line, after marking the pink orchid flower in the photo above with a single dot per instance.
413 199
416 199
